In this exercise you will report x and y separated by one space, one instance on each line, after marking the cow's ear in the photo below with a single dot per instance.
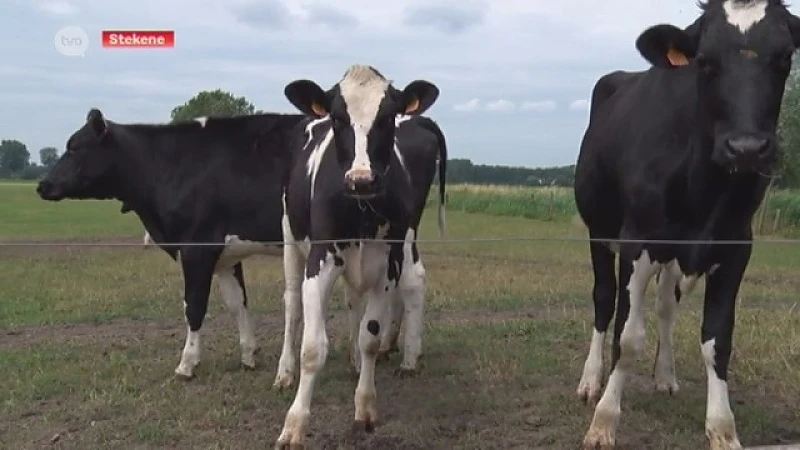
308 97
667 45
418 96
98 123
794 28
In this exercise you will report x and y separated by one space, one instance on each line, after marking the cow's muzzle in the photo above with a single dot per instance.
748 152
361 183
48 191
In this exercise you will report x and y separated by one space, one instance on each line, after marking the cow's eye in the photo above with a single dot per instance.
707 66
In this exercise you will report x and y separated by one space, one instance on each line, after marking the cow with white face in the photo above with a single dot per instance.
349 186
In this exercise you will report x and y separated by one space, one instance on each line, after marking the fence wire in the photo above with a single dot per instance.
400 241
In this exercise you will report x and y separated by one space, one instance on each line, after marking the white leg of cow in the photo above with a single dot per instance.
355 310
606 415
190 358
234 297
293 266
389 335
592 377
720 423
412 290
375 318
314 348
667 307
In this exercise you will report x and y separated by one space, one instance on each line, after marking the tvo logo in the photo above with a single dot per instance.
71 41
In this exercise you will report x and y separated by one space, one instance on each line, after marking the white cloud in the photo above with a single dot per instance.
57 8
500 106
468 106
579 105
541 106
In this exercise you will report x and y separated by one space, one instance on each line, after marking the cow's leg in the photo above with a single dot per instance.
603 296
716 337
321 271
355 310
293 264
198 269
375 318
636 270
667 299
412 291
390 335
231 286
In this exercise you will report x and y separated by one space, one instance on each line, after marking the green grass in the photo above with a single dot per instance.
558 204
25 216
89 338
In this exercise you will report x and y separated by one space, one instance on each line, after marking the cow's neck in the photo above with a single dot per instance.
138 179
721 202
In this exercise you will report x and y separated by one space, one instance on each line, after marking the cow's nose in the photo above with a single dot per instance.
43 187
360 181
747 147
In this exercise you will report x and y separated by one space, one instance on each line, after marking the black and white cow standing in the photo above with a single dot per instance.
422 147
682 151
217 180
350 186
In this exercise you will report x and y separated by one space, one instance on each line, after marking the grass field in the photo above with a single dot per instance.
89 338
782 215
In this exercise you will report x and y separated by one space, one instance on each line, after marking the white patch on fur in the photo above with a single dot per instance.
202 121
362 90
400 118
592 377
720 423
233 296
315 159
744 14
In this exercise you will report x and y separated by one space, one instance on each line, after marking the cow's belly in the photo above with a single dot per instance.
365 266
237 249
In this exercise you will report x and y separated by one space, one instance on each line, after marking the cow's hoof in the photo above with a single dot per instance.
283 381
406 372
184 373
667 386
598 440
364 426
249 363
589 393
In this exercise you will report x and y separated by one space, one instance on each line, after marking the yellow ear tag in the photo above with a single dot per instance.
318 109
677 58
749 54
413 106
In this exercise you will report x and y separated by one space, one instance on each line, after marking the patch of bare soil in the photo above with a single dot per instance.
454 408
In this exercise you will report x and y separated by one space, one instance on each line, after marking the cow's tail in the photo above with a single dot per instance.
442 164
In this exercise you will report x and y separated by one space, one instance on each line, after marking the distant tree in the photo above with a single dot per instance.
14 156
217 103
789 131
33 171
48 156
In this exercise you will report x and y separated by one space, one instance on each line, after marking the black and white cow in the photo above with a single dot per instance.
217 180
681 151
351 186
422 147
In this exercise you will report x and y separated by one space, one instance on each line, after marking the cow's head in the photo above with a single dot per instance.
86 169
740 52
362 108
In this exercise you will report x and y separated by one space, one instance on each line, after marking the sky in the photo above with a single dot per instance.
515 75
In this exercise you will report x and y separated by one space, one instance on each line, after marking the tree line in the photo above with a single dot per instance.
15 158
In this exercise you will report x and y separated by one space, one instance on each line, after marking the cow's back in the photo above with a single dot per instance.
232 174
419 147
637 138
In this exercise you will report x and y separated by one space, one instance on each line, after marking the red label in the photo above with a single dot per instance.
138 39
